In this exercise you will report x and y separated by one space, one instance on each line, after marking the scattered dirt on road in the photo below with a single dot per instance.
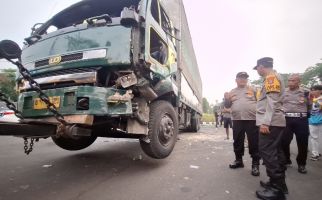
202 137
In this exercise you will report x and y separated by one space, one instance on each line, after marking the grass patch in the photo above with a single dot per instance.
207 118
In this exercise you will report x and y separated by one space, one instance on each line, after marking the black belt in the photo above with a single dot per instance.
302 114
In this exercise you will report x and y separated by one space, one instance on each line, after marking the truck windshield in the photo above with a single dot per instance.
83 10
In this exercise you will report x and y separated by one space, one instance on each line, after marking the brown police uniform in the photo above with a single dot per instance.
295 105
270 112
244 120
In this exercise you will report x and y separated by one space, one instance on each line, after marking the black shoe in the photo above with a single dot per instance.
302 169
281 186
265 184
236 164
270 194
255 170
269 184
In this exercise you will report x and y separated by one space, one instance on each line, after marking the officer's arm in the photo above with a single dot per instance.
272 100
226 110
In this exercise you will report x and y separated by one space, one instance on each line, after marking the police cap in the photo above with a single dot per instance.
242 75
266 62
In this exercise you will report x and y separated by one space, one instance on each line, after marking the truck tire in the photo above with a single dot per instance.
195 124
73 144
163 130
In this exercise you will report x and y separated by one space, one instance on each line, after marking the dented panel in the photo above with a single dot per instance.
77 78
70 97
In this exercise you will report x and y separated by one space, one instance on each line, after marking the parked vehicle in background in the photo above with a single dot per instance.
7 115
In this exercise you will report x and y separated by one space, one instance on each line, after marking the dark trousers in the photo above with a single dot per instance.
299 126
270 148
227 122
239 129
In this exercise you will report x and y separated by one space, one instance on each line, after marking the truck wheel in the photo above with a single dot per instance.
73 144
195 124
163 130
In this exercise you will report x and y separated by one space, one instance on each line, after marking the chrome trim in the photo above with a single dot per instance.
78 78
85 55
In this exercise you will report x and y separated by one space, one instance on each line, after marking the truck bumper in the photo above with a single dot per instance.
78 100
26 130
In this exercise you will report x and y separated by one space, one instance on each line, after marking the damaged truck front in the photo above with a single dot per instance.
106 68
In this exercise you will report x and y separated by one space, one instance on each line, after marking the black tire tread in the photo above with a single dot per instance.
151 149
195 124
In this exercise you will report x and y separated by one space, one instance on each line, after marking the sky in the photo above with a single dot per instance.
228 35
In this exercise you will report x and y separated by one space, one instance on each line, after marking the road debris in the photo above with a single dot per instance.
24 187
194 167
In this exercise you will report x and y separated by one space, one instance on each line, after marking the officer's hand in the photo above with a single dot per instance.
264 129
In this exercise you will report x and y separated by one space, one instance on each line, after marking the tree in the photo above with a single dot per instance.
7 83
205 105
312 75
257 82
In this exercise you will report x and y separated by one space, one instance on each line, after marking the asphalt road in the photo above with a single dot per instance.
117 169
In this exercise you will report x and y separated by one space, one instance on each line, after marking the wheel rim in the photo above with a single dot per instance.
166 130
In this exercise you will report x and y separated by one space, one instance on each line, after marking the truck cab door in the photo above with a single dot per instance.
159 49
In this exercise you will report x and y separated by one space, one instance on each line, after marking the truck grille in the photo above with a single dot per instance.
65 58
66 71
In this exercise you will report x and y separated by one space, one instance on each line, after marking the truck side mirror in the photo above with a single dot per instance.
129 17
9 50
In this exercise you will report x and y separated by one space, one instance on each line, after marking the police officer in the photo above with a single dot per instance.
226 111
296 107
270 119
243 99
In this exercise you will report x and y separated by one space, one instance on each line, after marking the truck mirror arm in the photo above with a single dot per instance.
106 17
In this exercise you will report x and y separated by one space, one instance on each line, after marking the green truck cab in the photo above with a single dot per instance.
113 69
